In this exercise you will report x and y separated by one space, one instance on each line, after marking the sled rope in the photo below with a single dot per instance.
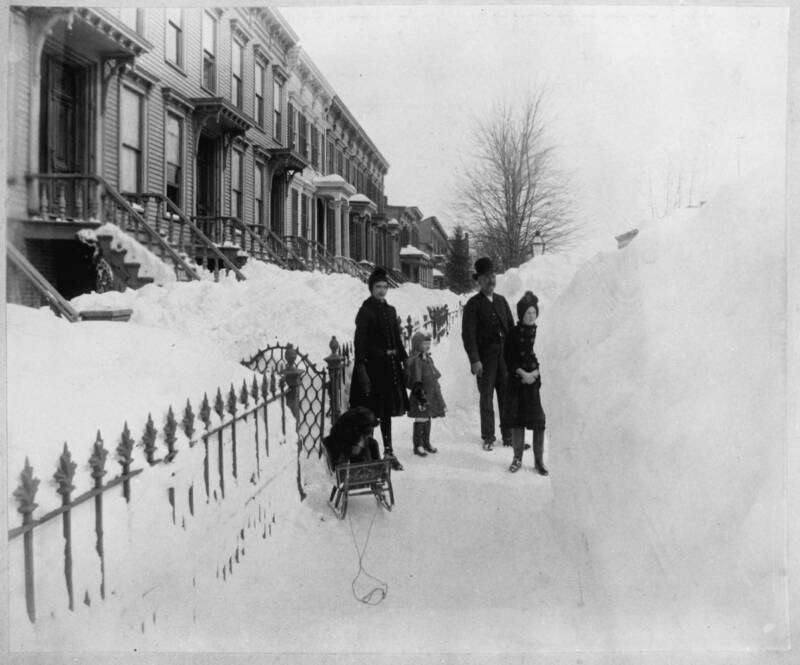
378 593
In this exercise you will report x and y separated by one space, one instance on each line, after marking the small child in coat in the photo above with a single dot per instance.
523 405
426 400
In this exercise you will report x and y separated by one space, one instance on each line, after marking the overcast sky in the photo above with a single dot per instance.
629 89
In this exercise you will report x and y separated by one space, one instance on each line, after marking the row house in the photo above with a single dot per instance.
434 242
207 134
416 264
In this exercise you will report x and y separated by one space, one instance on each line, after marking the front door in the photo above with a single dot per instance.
64 131
206 198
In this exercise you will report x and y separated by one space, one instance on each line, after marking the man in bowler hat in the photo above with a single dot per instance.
485 325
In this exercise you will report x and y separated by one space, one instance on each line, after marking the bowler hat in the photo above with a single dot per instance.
378 275
483 266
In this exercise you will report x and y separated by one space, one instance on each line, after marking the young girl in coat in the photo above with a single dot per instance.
523 408
426 400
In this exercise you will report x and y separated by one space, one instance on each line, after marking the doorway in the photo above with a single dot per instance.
206 191
65 137
276 204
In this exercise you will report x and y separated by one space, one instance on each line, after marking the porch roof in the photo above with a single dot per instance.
93 30
227 118
285 160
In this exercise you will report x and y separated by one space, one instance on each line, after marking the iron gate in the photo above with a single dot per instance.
307 389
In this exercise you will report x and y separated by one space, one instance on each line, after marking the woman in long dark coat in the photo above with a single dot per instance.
378 381
523 406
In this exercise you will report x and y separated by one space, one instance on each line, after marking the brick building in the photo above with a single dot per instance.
207 134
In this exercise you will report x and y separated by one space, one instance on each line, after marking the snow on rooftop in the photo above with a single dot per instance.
410 250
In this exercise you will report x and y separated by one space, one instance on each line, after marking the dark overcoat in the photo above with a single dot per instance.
421 371
378 359
485 324
523 404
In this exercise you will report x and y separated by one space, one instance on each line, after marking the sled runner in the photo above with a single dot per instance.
357 479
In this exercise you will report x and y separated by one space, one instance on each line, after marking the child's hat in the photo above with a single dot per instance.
527 301
418 338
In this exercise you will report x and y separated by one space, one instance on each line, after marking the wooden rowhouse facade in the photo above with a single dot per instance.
211 121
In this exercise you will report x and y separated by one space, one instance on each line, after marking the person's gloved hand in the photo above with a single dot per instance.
363 379
419 392
477 368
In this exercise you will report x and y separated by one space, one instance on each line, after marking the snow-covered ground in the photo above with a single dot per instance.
660 527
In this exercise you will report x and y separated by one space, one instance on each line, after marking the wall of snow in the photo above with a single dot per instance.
271 305
665 399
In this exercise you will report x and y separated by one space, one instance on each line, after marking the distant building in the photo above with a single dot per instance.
434 241
415 263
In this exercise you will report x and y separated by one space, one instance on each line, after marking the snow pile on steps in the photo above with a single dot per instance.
271 305
149 264
665 397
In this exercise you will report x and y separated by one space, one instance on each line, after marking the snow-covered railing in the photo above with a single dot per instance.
173 225
213 466
438 322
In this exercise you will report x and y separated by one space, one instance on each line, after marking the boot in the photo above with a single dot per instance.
518 442
388 453
426 441
538 451
419 439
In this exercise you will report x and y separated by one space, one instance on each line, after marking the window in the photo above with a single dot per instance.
174 152
261 174
330 157
339 163
315 147
209 52
237 162
290 127
258 92
302 134
131 115
173 50
237 57
132 17
276 111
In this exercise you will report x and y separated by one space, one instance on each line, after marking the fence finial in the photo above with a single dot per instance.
26 490
188 420
149 440
98 459
170 428
65 472
205 412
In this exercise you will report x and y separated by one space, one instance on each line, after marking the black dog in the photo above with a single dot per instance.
350 439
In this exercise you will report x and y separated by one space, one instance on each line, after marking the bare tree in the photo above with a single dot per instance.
512 190
679 183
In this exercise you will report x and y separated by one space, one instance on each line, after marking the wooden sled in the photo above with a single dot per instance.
358 479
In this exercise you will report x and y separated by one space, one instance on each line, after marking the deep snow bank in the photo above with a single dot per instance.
270 305
665 395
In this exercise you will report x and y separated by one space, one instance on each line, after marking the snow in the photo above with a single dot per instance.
239 318
671 479
150 264
410 250
658 528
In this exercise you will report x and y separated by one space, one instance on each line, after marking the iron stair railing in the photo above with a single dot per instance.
174 225
54 299
86 197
